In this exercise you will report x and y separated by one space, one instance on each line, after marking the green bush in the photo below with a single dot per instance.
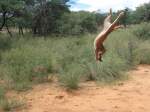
5 42
108 70
142 31
77 23
25 63
70 77
144 53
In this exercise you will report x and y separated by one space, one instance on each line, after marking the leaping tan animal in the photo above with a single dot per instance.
108 28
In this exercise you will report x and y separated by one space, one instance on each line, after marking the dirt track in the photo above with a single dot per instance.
131 96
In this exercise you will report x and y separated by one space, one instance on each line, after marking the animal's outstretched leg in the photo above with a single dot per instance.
99 52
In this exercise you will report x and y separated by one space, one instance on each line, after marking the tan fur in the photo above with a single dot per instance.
108 28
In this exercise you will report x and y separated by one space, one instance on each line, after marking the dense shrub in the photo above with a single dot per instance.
70 76
77 23
5 43
107 71
26 63
72 59
142 31
144 53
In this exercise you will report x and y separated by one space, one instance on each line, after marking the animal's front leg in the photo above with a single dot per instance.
99 52
98 55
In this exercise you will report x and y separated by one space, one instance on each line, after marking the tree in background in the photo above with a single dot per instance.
125 17
142 13
77 23
46 15
8 10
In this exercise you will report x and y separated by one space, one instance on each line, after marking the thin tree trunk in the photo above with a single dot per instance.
21 29
4 20
8 30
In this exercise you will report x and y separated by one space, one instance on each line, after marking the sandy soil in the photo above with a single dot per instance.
129 96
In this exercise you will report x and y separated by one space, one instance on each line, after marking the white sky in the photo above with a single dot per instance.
105 5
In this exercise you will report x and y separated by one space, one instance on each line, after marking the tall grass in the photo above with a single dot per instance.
142 31
8 104
26 62
144 52
33 59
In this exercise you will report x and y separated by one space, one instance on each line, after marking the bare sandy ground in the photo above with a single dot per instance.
130 96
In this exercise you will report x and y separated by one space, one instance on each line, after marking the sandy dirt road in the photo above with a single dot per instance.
130 96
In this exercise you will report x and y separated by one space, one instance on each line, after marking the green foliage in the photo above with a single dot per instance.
26 63
76 23
5 43
47 13
110 70
9 9
143 13
70 24
72 59
115 61
126 46
89 23
44 17
10 5
142 31
128 18
69 77
50 17
144 52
